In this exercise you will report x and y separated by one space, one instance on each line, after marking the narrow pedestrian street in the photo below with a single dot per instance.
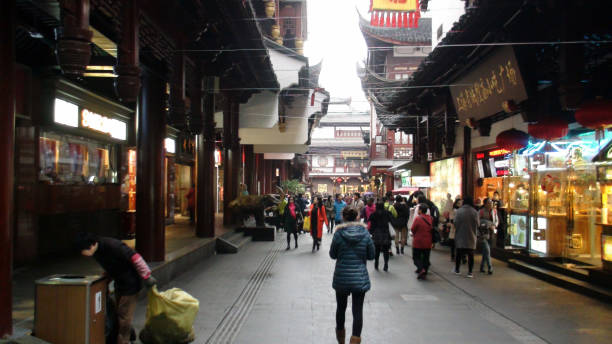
265 294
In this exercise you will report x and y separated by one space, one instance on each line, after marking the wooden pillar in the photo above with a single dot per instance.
206 185
260 173
127 84
150 239
466 168
74 44
231 144
250 172
7 148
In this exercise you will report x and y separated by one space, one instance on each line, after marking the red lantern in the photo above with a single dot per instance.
596 115
512 139
549 129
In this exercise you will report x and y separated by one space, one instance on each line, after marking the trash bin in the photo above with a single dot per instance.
70 309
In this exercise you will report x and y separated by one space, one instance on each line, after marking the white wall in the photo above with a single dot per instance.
323 133
286 68
515 122
445 12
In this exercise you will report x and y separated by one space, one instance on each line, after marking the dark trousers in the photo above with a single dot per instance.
295 236
451 243
421 258
331 221
385 251
461 252
357 307
126 305
191 215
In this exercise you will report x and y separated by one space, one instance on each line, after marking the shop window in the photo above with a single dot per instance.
402 153
381 151
76 160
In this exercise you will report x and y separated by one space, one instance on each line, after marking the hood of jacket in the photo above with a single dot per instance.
352 232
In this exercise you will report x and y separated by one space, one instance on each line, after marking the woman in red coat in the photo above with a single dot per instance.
421 243
318 216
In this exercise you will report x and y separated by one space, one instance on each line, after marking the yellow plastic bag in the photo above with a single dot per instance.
170 317
307 224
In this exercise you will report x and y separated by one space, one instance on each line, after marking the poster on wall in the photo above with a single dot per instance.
518 230
445 177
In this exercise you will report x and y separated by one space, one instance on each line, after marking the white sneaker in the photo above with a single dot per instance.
455 272
470 275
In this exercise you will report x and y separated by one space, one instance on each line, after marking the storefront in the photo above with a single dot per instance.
490 168
557 200
83 155
446 178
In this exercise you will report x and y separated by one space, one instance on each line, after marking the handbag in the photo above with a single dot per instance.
307 223
435 235
391 230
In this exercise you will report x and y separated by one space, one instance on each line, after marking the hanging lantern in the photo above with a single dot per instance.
596 114
512 139
549 129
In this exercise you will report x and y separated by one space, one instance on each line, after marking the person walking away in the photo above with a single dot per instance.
422 241
502 226
447 208
451 234
331 213
400 224
351 247
368 210
317 218
380 234
191 196
357 204
466 227
291 215
301 202
488 219
126 268
339 205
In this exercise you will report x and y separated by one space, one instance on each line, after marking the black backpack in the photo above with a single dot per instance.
435 214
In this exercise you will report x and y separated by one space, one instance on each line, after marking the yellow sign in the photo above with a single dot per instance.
115 128
322 188
394 5
354 154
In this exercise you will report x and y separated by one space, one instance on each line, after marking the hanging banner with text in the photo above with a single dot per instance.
394 5
482 91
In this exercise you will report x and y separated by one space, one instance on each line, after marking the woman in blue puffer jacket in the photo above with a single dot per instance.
352 247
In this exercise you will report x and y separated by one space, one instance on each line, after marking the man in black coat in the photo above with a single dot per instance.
126 268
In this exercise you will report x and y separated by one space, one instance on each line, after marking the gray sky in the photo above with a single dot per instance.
334 36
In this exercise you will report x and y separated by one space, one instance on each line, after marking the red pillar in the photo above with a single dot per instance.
233 157
7 148
150 230
250 171
206 185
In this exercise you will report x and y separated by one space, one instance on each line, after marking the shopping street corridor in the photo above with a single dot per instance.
265 294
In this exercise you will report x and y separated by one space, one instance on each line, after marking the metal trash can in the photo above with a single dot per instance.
70 309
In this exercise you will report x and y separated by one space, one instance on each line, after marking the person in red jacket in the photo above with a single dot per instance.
191 197
318 216
422 241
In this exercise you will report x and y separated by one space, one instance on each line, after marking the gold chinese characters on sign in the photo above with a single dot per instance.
354 154
481 93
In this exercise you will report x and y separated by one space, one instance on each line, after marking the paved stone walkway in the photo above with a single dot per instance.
265 294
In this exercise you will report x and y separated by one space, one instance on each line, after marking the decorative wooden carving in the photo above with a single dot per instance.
73 47
127 84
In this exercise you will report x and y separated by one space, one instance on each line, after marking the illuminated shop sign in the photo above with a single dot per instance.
115 128
499 152
170 145
66 113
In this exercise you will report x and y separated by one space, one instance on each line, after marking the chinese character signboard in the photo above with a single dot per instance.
395 13
354 154
483 90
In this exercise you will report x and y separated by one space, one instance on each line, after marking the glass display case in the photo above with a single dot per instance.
517 230
67 159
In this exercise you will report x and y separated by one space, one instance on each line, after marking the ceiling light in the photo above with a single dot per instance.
99 67
100 75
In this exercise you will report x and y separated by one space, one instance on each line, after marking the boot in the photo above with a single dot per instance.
340 335
402 249
296 244
355 340
376 264
397 250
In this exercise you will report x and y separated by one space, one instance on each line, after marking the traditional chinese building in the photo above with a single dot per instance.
338 153
394 54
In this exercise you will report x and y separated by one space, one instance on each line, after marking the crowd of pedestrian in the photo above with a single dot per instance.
365 229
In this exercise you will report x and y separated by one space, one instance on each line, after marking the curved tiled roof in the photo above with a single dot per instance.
398 35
